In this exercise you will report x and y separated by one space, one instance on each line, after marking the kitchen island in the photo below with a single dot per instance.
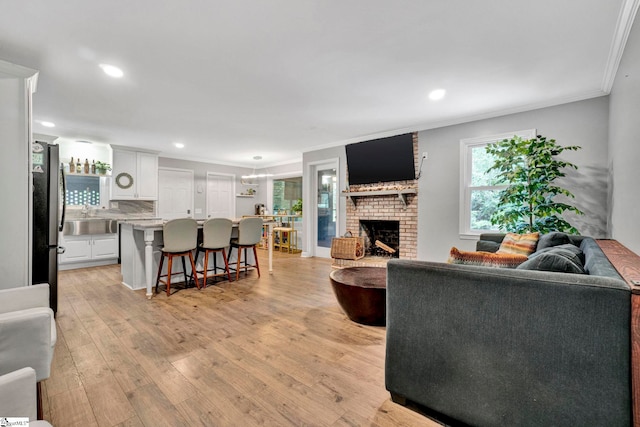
141 243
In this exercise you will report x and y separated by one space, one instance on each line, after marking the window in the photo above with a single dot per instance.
286 192
479 190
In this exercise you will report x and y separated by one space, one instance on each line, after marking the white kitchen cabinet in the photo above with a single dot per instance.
135 175
88 250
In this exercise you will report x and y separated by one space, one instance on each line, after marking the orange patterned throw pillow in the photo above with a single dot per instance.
485 259
523 244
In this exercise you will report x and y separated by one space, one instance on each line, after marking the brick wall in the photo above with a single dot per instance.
389 208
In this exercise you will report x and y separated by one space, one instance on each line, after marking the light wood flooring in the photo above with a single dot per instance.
275 350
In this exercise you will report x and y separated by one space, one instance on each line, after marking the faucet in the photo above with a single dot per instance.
86 208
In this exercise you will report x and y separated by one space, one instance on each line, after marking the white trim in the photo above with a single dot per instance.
628 12
464 211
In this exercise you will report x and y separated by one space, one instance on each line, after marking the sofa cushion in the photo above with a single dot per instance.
485 259
567 247
556 259
523 244
487 246
552 239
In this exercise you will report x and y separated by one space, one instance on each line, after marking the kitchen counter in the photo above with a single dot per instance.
141 242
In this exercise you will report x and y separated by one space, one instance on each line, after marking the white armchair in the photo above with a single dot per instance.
18 396
27 330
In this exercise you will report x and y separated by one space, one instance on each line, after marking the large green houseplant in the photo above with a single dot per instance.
530 169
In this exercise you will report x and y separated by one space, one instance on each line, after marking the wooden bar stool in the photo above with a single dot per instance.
249 235
285 239
180 239
216 234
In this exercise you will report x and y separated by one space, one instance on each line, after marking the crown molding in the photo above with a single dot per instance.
628 12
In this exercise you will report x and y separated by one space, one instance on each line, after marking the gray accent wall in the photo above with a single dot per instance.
583 123
624 147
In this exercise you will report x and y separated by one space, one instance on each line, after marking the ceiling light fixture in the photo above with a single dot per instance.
254 174
48 124
436 95
112 70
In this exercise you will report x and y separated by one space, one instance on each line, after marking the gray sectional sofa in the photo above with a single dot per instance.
510 347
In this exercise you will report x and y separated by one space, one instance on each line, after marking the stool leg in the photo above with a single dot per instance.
206 266
226 263
198 250
255 255
238 264
169 265
193 268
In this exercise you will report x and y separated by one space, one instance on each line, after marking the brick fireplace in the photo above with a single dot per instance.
389 201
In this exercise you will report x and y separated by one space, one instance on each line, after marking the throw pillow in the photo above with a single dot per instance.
522 244
485 259
556 261
554 238
578 255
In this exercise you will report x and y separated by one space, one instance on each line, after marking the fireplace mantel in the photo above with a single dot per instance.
402 194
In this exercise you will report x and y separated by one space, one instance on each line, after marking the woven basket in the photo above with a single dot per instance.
347 247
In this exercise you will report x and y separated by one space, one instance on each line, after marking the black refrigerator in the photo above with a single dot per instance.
48 216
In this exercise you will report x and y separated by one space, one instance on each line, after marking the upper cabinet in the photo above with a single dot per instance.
135 174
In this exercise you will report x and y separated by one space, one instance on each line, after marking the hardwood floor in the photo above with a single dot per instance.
275 350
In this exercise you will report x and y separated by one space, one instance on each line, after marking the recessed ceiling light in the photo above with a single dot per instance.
112 70
48 124
257 157
179 144
436 95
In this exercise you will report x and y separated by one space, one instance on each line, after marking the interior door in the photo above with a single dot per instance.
175 197
220 196
325 177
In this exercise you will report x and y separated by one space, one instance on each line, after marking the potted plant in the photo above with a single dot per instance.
297 207
530 169
102 167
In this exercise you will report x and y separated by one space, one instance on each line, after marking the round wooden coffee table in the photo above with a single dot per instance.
362 293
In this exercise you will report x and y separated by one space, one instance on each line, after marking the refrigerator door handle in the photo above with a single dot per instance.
63 196
61 250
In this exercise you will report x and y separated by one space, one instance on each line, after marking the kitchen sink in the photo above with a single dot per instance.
79 227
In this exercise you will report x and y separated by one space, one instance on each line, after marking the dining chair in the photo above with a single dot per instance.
249 235
216 236
180 238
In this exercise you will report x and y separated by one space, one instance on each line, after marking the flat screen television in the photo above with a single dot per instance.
381 160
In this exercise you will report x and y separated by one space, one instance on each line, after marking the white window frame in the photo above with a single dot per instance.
466 149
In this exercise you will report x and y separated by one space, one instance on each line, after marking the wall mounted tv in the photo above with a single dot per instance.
381 160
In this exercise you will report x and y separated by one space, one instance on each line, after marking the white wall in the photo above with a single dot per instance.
15 170
581 123
624 146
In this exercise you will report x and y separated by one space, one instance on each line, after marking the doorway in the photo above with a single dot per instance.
175 193
221 196
325 214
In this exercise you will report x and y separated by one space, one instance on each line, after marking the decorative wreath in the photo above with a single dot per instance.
128 180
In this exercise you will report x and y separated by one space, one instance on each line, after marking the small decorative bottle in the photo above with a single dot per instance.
72 166
78 166
93 167
86 166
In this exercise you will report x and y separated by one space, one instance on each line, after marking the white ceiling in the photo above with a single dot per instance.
241 78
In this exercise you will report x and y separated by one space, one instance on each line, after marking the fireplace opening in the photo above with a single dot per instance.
381 238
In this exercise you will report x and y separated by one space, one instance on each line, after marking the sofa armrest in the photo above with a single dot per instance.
18 394
24 297
27 339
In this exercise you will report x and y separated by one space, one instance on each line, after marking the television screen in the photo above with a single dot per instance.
381 160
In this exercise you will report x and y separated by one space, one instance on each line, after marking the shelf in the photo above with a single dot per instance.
402 194
248 196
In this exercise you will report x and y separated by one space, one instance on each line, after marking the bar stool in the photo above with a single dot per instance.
180 239
216 234
249 235
285 239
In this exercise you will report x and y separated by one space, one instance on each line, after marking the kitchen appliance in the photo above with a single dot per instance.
259 209
48 216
